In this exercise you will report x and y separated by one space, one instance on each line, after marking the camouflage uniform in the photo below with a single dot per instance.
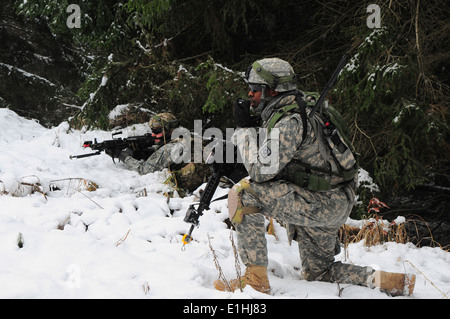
312 218
189 176
158 161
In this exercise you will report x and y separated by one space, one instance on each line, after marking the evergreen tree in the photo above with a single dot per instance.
188 57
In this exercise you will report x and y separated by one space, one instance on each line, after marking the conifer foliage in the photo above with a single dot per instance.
188 57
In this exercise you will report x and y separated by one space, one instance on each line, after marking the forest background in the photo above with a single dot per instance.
188 58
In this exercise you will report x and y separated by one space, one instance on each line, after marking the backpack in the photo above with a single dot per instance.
332 133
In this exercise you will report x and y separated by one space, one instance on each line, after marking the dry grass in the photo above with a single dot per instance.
271 229
222 277
374 230
73 184
27 185
237 264
121 240
224 284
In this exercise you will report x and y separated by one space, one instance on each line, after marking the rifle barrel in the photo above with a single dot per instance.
85 155
328 86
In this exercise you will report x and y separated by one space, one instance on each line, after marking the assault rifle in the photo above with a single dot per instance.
141 145
231 171
328 86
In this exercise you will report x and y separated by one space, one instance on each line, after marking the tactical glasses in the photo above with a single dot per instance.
157 130
255 87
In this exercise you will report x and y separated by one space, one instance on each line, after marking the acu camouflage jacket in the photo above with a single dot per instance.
283 153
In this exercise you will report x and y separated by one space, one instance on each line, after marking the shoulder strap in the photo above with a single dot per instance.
280 113
301 105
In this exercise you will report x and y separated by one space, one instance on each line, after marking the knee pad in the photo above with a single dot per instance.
236 209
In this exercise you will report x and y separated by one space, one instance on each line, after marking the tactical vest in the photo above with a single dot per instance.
334 146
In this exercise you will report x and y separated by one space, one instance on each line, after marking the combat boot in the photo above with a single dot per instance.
255 276
394 284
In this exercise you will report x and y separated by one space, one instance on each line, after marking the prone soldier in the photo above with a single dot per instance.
188 176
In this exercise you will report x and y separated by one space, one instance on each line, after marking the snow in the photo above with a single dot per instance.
113 242
104 80
366 181
352 64
407 108
118 110
122 109
27 74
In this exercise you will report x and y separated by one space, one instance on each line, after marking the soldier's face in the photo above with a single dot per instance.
255 98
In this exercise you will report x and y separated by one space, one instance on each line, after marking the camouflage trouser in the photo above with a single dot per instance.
313 220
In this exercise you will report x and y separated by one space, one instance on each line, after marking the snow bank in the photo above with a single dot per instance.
113 242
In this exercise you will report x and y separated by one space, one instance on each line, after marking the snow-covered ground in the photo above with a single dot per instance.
115 242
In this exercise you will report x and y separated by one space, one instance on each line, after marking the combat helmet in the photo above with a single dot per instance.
166 121
276 73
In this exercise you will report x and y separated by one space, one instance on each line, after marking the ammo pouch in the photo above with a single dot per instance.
314 179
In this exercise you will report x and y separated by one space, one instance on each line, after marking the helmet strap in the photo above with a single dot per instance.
262 102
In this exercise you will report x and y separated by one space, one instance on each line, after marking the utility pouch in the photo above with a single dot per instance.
309 180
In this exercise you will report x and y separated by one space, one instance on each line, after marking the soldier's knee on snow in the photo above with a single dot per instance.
317 276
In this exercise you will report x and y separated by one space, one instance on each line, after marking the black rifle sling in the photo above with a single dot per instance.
302 110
